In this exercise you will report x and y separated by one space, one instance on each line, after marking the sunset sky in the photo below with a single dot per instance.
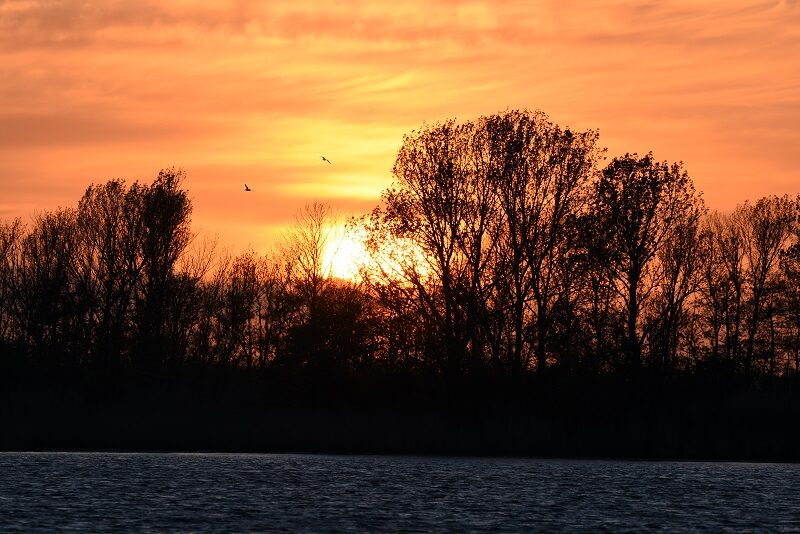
257 92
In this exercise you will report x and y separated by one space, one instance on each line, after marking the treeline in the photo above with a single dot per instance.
506 247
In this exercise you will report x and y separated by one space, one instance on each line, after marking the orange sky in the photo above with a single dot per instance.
256 92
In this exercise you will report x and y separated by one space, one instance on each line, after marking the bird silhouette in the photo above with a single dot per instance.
247 188
326 159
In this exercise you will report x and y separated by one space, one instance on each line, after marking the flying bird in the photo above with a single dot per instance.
247 188
326 159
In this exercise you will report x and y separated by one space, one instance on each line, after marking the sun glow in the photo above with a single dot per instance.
345 255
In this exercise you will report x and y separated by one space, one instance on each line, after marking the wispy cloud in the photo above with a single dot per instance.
237 90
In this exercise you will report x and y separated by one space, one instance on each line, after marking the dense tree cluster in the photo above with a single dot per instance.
506 246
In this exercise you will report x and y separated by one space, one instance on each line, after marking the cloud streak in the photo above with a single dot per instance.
236 89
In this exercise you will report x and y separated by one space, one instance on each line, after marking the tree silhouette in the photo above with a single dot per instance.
165 211
438 217
768 224
44 304
539 174
790 298
10 238
723 287
505 263
680 262
109 265
639 206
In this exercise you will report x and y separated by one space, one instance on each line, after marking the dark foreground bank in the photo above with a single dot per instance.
233 413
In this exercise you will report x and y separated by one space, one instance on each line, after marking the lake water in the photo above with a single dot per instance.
254 492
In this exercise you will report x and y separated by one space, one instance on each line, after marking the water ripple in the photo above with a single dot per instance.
248 493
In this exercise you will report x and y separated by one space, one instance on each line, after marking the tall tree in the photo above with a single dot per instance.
165 236
790 297
43 291
480 230
108 267
723 289
681 262
768 225
10 240
235 339
539 173
433 233
639 205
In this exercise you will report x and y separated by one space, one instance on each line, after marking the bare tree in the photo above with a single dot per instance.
480 230
235 340
724 285
304 248
681 261
165 236
43 294
768 225
276 310
638 208
433 232
10 240
790 297
539 174
320 322
602 325
109 266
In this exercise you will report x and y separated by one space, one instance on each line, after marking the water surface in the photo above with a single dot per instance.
254 492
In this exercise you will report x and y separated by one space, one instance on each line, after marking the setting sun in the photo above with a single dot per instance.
337 242
345 256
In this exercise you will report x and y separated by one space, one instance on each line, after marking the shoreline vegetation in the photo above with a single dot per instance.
525 295
612 421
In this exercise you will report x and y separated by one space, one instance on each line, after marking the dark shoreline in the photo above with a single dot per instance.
609 422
